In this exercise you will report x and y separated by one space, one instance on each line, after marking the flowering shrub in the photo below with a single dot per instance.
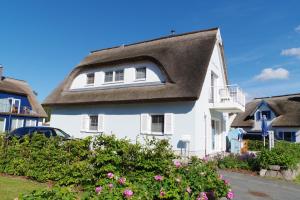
116 169
284 154
244 161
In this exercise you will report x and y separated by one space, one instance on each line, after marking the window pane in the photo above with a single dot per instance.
108 77
141 73
157 123
93 122
119 75
90 78
267 114
288 136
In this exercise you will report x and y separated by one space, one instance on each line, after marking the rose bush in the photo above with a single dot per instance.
115 169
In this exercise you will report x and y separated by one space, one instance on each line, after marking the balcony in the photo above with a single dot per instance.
8 108
230 99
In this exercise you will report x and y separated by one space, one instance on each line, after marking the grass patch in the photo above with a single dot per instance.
297 180
11 187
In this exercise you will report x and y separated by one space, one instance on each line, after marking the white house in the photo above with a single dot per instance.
282 114
173 87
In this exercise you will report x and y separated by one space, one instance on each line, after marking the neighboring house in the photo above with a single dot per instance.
174 87
18 105
282 113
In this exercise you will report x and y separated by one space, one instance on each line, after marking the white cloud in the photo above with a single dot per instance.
297 29
271 74
291 52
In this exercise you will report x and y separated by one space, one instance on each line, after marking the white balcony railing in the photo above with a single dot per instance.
8 108
229 97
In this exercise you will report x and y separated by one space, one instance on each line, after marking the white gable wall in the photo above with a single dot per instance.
204 114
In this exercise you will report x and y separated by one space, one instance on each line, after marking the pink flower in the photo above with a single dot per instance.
110 185
158 178
189 190
98 189
110 175
226 182
177 163
122 180
162 193
230 195
202 196
127 193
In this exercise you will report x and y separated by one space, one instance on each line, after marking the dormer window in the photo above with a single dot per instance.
108 77
260 114
140 73
90 79
114 76
119 75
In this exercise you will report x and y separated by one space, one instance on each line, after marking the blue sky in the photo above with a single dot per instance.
41 41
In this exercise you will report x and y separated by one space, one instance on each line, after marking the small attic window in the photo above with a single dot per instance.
90 78
140 73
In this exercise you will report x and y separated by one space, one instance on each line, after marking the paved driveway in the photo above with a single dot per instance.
248 187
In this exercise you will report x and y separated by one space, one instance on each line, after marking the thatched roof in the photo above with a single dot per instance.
14 86
183 59
285 107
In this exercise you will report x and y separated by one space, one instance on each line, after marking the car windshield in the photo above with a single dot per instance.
61 133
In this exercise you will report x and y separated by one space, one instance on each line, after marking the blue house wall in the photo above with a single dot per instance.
10 116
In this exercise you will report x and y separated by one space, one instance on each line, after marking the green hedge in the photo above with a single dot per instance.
285 154
257 145
71 163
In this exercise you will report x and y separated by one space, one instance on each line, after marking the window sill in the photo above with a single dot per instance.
89 85
112 83
90 131
156 134
140 80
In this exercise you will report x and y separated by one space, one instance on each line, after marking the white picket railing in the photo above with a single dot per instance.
227 94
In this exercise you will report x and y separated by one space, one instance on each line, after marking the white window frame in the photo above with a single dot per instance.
108 82
17 123
85 123
89 127
32 122
87 78
13 101
150 117
114 76
4 123
140 79
146 124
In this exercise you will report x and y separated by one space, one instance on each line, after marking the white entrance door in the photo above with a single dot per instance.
215 135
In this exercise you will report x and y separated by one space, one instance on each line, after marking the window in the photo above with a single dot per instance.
267 113
30 122
108 77
119 75
2 124
157 123
140 73
15 105
93 123
90 78
16 123
289 136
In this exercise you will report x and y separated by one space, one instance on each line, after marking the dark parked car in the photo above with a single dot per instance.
47 131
